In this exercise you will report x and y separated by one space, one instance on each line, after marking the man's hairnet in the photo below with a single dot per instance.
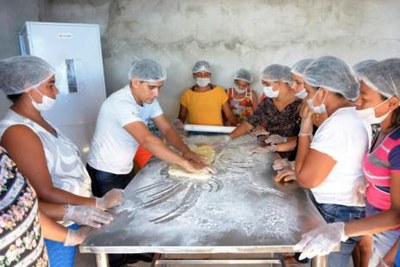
277 72
333 74
147 70
384 77
362 65
201 65
243 75
21 73
300 67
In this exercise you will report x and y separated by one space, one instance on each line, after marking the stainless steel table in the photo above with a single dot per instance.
240 210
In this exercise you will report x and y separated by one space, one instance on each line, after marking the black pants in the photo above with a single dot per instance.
102 181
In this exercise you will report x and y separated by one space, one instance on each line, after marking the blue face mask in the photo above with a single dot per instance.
321 109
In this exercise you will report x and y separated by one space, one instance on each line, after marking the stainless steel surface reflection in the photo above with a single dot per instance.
241 209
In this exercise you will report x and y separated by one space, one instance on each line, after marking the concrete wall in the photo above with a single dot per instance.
13 14
230 34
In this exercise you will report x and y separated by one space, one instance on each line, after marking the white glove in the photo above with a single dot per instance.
76 237
225 141
281 164
177 123
263 149
321 241
258 131
306 126
86 215
275 139
382 263
110 199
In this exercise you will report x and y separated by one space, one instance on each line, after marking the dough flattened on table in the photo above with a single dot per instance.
208 152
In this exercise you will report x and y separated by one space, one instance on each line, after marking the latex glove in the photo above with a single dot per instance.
76 237
321 241
258 131
87 215
110 199
225 141
382 263
275 139
306 126
177 123
263 149
285 176
283 164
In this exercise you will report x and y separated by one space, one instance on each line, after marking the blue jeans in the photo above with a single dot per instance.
340 213
102 181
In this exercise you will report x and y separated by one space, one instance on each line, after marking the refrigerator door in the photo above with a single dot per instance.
74 50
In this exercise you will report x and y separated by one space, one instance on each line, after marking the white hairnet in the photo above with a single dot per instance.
243 75
300 67
384 77
147 70
360 66
201 65
21 73
277 72
333 74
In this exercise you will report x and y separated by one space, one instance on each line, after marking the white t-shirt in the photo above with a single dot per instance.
345 138
112 148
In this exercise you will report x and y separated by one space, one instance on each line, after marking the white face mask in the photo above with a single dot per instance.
47 102
238 90
269 92
321 109
369 116
301 94
203 82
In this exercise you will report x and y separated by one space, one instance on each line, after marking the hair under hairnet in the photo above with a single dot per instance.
21 73
300 67
384 77
277 72
362 65
243 75
201 65
147 70
333 74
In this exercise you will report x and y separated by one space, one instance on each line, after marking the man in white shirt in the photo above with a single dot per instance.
121 128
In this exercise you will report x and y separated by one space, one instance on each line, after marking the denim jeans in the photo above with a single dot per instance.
340 213
102 181
383 241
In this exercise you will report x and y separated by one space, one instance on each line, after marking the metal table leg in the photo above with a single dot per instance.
319 261
101 260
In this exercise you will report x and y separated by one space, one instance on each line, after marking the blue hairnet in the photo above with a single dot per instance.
360 66
21 73
243 75
277 72
333 74
201 65
300 67
384 77
147 70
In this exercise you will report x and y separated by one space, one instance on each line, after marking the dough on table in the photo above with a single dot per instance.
208 152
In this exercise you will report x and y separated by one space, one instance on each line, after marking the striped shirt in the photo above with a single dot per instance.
378 167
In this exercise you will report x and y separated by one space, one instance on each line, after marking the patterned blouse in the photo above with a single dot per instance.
241 108
21 241
285 123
